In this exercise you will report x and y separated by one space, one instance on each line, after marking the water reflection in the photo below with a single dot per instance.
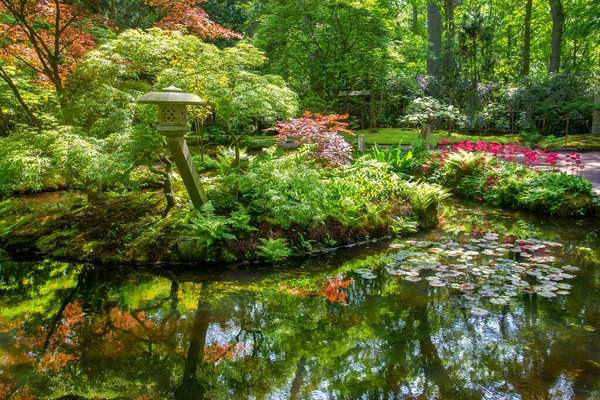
321 329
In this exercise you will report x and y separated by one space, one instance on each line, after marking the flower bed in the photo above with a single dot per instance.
513 176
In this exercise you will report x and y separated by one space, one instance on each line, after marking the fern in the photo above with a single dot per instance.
274 249
209 228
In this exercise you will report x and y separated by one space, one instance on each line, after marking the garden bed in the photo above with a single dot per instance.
513 176
276 208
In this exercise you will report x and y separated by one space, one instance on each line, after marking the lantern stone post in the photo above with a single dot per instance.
172 123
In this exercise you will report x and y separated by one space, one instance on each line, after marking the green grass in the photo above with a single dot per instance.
393 136
577 142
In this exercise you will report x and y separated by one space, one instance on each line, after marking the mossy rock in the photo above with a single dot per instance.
189 250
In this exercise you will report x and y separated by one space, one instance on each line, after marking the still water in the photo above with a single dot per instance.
495 305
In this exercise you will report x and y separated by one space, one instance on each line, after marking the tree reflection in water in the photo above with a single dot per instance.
320 330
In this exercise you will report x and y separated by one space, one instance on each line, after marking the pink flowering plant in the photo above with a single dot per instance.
511 175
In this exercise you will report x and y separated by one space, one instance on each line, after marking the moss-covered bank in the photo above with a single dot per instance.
274 208
129 230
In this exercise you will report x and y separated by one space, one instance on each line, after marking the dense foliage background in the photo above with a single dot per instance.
71 71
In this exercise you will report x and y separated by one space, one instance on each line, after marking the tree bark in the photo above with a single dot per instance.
415 18
596 119
558 21
448 61
527 39
434 33
6 78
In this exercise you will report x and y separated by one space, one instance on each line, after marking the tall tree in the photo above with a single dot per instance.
324 47
558 21
527 38
434 32
450 27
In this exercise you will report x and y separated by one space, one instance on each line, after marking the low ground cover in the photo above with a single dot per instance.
273 207
501 175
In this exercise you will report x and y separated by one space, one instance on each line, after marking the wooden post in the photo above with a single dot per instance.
361 143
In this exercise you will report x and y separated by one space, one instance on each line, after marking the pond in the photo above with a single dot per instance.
495 305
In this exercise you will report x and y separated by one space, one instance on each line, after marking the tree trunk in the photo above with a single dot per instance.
596 120
527 39
190 387
450 37
434 33
415 18
558 21
6 78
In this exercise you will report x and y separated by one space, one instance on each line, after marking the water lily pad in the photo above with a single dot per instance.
413 278
423 244
498 301
570 268
553 244
363 271
437 283
396 246
491 237
435 250
479 311
567 276
546 294
368 276
565 286
563 292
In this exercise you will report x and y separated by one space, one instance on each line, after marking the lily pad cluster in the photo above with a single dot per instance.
483 268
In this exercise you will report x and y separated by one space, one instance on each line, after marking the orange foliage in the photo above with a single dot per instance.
330 288
46 36
187 16
7 386
218 352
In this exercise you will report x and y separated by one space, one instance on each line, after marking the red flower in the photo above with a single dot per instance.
479 198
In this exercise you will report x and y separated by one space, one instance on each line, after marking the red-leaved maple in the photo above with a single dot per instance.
187 16
322 131
47 37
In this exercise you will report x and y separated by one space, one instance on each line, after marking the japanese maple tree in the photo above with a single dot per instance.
322 131
47 37
187 16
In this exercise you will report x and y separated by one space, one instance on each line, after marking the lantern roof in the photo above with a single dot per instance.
171 95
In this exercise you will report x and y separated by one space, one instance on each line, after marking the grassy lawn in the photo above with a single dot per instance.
393 136
578 142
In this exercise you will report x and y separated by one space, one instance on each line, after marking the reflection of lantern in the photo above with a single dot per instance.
172 123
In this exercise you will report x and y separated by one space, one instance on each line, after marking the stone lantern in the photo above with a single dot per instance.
172 123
